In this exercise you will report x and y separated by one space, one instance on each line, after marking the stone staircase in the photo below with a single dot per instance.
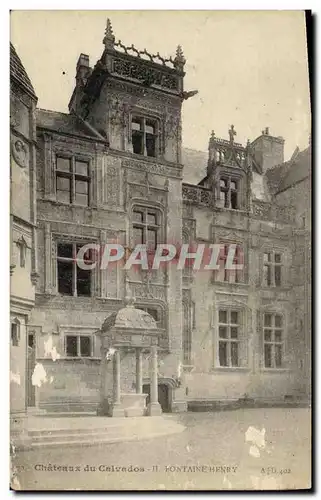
89 431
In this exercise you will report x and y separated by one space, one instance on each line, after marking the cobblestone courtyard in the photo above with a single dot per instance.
210 454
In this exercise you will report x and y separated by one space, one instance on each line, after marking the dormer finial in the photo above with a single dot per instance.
179 60
109 38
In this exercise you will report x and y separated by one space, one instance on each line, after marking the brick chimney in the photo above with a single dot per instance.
268 150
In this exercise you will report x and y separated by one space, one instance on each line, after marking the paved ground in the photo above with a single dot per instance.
210 454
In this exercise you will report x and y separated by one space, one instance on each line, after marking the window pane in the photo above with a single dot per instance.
153 313
63 164
223 353
83 282
81 187
85 346
268 356
223 332
137 140
233 185
222 316
138 235
65 277
278 335
223 183
234 332
234 317
71 346
267 335
278 321
82 199
151 239
233 199
277 257
278 356
81 167
89 254
138 216
14 335
151 218
63 183
136 124
267 319
150 127
64 250
63 196
151 145
234 354
267 275
277 271
267 257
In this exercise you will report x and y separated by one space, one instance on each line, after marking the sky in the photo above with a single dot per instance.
249 67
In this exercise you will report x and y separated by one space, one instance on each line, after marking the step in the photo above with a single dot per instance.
104 440
75 430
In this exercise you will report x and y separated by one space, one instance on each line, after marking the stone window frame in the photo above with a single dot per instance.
72 239
78 331
52 150
275 309
232 174
242 274
146 204
243 340
144 115
285 266
161 307
273 343
73 176
15 333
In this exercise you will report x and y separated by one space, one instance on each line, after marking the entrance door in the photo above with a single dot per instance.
31 362
163 396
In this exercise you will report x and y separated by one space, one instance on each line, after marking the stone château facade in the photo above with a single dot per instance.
112 171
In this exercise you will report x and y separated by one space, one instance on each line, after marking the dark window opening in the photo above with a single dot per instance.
85 346
71 346
144 136
72 279
14 334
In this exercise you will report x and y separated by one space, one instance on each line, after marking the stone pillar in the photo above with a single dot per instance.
139 371
154 407
117 410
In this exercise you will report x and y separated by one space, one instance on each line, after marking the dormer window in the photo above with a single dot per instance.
229 192
144 136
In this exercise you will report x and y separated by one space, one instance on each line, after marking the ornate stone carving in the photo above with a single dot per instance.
141 290
20 153
197 195
144 73
153 168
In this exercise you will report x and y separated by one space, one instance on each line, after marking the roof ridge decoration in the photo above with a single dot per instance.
109 41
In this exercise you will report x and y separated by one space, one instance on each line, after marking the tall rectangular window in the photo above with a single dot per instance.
273 340
229 192
144 136
230 275
146 227
72 181
72 280
272 269
229 332
78 346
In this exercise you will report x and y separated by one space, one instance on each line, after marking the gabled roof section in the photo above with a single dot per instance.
19 74
286 175
69 124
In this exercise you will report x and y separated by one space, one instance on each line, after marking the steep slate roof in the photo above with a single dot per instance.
284 176
18 72
66 124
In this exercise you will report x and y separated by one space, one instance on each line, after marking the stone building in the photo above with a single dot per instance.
23 221
112 170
